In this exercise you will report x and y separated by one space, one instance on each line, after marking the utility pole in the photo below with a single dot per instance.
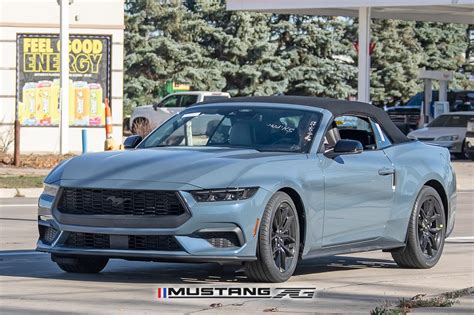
64 77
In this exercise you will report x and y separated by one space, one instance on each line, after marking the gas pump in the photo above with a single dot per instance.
442 105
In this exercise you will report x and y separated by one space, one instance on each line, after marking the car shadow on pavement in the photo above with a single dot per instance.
30 264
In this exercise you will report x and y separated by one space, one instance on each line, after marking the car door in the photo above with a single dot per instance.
168 107
358 187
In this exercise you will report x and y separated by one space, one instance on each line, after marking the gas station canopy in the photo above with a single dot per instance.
447 11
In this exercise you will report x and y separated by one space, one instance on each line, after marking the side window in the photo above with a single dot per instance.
356 128
171 101
381 138
188 100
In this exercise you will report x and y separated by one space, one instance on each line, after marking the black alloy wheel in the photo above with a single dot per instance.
426 232
430 227
284 229
278 241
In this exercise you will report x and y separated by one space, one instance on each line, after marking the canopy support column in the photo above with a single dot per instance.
363 83
64 77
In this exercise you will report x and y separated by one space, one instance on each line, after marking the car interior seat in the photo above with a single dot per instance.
332 137
242 133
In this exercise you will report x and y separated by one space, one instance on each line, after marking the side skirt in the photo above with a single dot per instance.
357 247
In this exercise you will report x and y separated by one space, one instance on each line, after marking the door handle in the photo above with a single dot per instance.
386 171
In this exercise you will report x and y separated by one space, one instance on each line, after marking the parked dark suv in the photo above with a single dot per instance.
407 116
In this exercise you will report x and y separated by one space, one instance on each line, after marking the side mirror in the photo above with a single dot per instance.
155 106
346 146
132 141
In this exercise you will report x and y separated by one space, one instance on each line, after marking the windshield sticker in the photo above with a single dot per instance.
281 127
191 114
310 132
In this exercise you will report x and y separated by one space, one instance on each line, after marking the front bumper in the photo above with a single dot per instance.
239 218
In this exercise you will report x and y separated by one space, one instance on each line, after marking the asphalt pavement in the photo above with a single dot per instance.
356 283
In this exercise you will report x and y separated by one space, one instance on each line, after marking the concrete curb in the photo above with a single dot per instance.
20 192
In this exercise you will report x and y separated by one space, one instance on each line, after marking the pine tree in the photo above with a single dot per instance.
248 53
317 50
395 61
444 48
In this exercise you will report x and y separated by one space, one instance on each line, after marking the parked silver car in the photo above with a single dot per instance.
448 130
148 117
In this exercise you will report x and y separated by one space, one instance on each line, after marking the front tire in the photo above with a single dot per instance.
426 232
278 242
85 264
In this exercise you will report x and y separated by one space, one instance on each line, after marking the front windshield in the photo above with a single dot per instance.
419 98
451 121
259 128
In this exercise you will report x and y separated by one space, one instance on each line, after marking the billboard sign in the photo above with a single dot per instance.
38 87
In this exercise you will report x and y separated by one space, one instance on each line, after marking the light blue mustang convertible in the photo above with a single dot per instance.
261 181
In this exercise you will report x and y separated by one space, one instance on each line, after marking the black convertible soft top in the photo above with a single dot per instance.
336 107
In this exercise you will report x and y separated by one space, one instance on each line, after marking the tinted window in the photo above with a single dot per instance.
419 98
188 100
214 97
263 129
171 101
451 121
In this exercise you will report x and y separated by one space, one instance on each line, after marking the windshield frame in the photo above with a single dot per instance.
305 149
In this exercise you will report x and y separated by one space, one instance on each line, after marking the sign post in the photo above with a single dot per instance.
64 78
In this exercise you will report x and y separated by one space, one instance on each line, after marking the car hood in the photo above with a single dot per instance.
201 168
434 132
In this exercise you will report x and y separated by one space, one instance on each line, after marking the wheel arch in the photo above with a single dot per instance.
300 209
436 185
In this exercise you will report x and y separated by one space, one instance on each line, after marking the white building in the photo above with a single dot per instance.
29 72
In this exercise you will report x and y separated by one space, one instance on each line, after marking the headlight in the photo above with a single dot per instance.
50 190
447 138
409 136
225 194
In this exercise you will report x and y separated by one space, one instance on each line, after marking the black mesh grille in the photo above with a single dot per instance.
47 234
88 240
135 242
119 202
221 239
153 242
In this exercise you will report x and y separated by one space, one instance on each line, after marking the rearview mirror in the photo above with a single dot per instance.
346 146
132 141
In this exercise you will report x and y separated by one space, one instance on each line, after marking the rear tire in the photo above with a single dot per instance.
278 242
86 264
426 232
